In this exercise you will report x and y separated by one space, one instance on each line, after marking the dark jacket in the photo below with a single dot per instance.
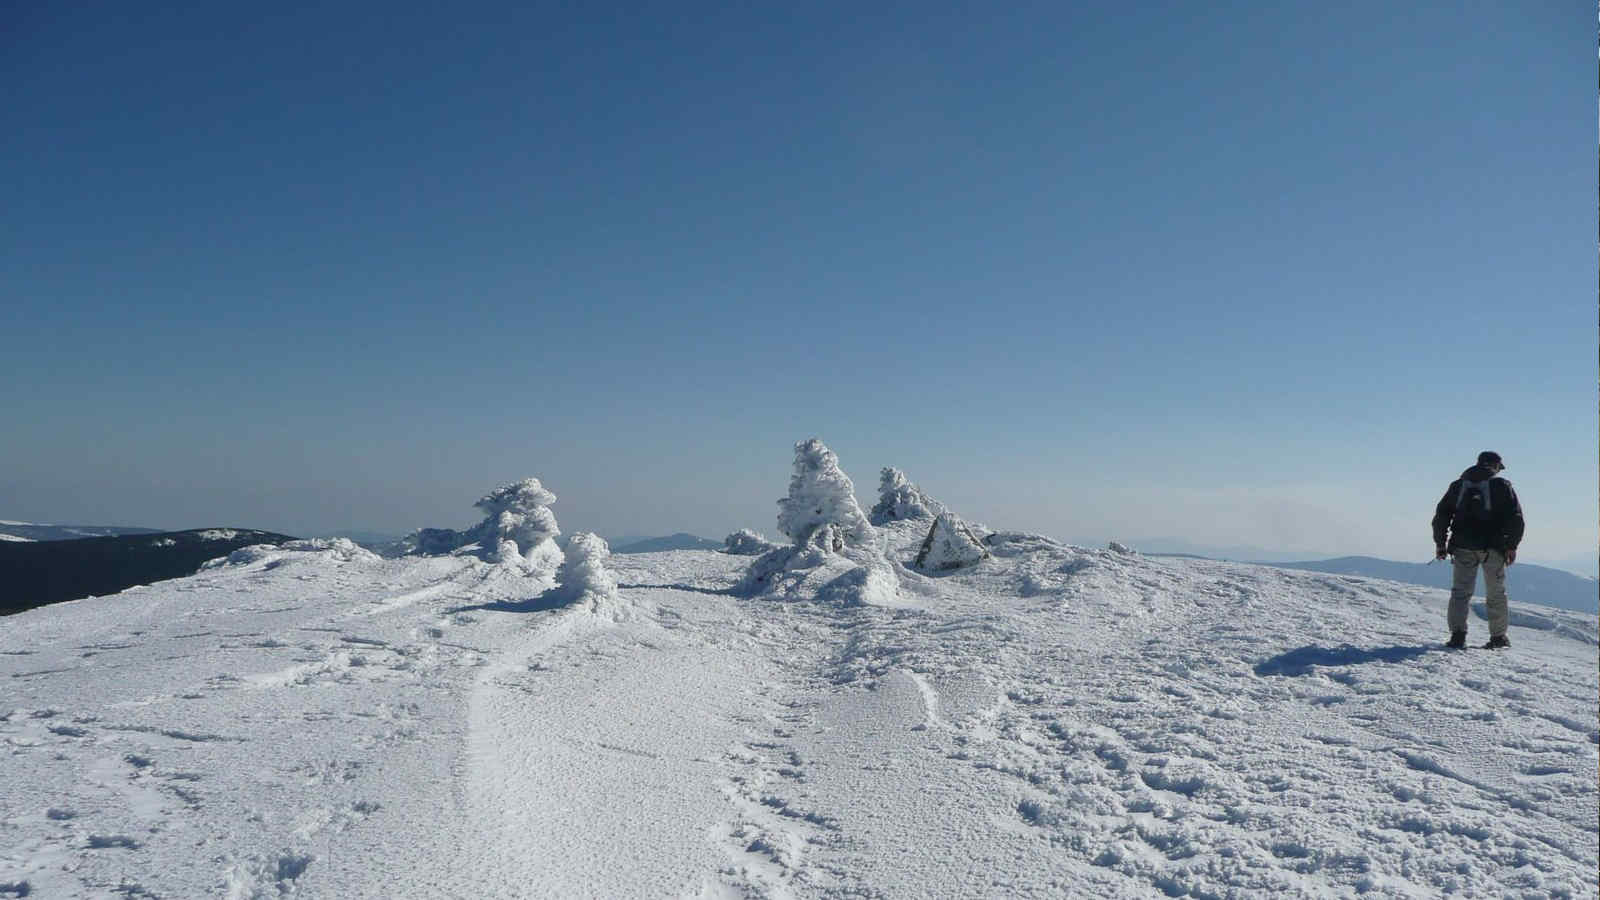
1502 532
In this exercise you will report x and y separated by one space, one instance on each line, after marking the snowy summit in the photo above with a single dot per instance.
503 713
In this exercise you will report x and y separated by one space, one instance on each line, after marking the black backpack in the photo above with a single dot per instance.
1474 505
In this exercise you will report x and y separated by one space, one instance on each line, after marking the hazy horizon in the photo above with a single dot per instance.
1237 275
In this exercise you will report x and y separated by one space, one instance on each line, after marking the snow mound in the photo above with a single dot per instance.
337 549
872 584
821 497
583 578
342 549
1577 626
950 544
745 542
899 499
1020 543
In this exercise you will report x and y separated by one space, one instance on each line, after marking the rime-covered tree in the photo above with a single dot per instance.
821 508
899 499
517 514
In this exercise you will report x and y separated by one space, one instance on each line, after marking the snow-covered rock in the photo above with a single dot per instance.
820 496
1119 547
950 544
899 499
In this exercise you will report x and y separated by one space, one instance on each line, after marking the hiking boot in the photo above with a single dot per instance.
1498 642
1458 640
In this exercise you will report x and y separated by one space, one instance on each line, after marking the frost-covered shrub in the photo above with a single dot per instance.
899 499
950 544
517 528
745 542
821 495
583 578
431 542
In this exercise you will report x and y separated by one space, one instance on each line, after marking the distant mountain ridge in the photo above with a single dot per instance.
38 573
32 531
1526 582
679 541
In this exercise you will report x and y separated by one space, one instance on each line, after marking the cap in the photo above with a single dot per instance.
1490 458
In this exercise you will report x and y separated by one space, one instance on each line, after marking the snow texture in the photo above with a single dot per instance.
822 499
899 499
745 542
1057 722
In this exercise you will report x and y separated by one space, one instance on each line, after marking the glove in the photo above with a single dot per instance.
1511 556
1439 552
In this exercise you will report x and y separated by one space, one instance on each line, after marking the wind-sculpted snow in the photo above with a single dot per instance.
583 576
1056 722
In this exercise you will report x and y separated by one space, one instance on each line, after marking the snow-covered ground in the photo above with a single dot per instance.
1053 721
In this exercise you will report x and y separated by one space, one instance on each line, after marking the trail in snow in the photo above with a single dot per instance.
1054 721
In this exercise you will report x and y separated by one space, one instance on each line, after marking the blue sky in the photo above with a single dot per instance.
1241 274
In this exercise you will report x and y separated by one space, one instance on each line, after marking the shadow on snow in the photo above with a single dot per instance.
551 599
1302 661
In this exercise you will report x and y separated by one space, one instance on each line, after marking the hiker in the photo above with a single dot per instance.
1483 517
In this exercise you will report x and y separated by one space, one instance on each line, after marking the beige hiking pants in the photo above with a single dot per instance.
1494 588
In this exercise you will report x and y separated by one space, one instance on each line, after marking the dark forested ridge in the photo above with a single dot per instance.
42 572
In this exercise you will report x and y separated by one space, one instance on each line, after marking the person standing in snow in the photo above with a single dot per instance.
1483 518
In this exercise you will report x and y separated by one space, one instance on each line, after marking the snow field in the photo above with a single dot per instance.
1051 721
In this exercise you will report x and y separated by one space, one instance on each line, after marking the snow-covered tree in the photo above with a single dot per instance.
950 544
899 499
517 522
583 576
821 509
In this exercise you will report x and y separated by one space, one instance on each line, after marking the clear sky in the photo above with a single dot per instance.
1242 274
